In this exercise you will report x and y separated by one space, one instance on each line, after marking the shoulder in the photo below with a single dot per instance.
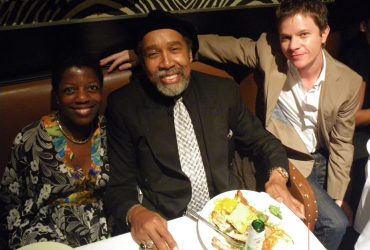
211 88
125 91
212 82
344 73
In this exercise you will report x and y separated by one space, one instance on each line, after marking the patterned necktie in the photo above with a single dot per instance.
190 158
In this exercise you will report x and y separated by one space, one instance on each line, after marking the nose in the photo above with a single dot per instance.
294 43
166 61
82 95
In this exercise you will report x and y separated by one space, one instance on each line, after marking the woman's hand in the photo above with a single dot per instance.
126 59
147 226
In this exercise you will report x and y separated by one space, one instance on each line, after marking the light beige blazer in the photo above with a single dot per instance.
339 100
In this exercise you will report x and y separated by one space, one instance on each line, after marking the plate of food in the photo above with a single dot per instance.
233 213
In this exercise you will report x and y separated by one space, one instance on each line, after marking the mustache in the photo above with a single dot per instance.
164 72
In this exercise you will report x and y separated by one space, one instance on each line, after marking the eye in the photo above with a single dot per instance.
69 90
175 49
152 54
304 34
284 38
94 87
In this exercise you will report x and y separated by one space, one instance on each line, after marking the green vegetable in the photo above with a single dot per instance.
262 217
276 211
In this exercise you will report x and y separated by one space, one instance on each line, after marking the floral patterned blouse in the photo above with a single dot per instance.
44 198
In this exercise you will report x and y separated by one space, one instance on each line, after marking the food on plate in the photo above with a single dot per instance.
234 216
275 210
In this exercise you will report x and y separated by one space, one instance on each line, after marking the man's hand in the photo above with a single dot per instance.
147 225
277 189
126 59
346 209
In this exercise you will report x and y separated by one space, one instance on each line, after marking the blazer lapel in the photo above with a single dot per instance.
273 87
276 122
328 99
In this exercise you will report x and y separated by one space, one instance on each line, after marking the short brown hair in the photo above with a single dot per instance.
314 8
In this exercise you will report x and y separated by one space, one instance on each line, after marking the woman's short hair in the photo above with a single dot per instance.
64 62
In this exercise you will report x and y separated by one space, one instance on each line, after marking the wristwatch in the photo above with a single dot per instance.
281 171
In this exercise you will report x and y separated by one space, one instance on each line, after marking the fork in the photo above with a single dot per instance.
194 215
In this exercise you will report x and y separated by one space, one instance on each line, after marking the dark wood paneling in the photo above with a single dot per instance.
29 52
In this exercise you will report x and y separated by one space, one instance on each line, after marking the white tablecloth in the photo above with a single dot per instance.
185 232
362 222
183 229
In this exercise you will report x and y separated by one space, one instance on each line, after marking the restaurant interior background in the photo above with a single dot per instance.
33 32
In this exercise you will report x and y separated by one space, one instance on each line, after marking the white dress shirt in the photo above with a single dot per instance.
301 107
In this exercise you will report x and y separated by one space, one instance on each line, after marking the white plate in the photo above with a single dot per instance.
261 201
46 246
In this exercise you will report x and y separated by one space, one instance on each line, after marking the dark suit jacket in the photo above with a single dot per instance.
143 148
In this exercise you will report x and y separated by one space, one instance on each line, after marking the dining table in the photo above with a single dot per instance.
186 233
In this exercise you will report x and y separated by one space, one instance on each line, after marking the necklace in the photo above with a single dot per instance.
70 137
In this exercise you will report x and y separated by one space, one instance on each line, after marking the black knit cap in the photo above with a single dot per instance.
159 19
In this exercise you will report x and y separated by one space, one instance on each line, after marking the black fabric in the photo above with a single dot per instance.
159 19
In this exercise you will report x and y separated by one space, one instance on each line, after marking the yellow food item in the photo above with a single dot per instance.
226 205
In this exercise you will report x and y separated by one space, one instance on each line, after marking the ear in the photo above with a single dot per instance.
190 55
363 26
325 34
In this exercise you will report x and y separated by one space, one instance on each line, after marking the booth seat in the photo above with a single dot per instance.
23 103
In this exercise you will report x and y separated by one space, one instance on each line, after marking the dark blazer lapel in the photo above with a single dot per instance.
160 135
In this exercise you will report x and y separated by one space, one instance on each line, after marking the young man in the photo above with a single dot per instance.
145 136
310 102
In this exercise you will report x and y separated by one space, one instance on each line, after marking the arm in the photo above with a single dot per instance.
10 200
340 143
124 60
18 196
228 49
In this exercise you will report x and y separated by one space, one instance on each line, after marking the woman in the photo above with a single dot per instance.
53 185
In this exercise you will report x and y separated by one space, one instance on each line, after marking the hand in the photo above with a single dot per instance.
277 189
147 225
126 59
346 209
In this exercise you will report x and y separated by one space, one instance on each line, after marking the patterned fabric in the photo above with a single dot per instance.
44 198
190 158
20 12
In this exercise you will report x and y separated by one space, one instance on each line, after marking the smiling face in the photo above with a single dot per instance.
166 58
301 41
80 96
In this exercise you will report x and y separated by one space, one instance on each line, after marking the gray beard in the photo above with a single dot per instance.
171 90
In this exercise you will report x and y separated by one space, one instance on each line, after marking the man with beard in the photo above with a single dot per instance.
176 167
